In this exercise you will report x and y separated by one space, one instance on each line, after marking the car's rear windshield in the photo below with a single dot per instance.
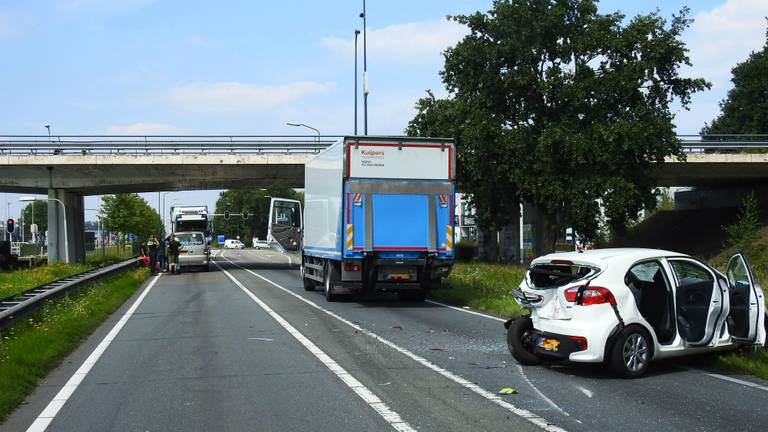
556 275
191 239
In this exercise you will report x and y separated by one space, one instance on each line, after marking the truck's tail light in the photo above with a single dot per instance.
591 296
351 268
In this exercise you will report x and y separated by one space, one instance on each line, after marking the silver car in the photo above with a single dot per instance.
194 250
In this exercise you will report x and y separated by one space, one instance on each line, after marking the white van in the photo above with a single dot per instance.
233 244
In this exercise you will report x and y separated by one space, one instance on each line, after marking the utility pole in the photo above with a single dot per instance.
365 73
357 33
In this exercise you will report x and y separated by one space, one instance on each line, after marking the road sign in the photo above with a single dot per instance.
226 214
220 239
130 236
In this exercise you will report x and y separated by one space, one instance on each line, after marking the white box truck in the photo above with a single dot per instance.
378 215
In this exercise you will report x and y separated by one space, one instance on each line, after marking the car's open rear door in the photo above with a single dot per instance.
745 320
285 224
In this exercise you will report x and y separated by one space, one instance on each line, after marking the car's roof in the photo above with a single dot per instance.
601 255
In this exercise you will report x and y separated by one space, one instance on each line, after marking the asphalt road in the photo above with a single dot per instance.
244 347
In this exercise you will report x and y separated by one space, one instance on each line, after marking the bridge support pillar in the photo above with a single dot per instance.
73 241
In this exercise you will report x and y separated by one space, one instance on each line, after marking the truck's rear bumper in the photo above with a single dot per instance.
350 287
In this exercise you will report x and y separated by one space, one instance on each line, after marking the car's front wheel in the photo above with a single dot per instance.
631 352
520 341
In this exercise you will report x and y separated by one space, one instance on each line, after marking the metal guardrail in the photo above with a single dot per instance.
723 142
25 145
20 305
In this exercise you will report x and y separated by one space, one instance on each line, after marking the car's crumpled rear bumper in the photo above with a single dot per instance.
596 323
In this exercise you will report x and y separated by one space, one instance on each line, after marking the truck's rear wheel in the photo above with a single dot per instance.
309 284
330 279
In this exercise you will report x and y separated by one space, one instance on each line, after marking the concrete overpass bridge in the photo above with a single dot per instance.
70 167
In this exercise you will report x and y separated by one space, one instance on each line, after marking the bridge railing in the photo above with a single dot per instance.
25 145
723 143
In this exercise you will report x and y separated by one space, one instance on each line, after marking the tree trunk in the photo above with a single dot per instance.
487 245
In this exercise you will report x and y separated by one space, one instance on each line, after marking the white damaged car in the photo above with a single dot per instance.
627 307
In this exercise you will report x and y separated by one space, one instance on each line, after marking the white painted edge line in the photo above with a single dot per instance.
362 391
45 418
542 395
469 311
531 417
733 380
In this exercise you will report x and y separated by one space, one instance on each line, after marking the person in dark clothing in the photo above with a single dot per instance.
173 254
161 254
154 246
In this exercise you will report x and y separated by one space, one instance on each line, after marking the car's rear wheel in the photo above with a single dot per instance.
631 352
520 341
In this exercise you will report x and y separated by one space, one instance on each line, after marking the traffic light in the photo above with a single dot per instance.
245 214
226 214
10 225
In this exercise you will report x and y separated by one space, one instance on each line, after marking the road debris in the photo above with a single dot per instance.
507 390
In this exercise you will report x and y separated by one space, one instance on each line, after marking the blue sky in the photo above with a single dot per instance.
248 67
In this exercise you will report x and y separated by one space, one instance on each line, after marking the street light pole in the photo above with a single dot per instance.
365 73
306 126
357 33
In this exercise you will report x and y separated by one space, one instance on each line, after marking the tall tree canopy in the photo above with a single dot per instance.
256 202
745 109
564 107
130 213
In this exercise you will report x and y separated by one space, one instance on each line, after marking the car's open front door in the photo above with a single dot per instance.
285 224
745 320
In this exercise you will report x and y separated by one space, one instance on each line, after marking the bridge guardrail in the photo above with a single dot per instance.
25 145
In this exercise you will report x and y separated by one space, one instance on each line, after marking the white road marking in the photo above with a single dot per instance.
261 339
531 417
49 413
734 380
587 393
362 391
541 395
469 311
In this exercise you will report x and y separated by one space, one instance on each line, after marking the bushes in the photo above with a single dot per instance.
465 250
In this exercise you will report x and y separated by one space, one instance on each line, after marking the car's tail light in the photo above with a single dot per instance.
206 252
570 293
581 340
591 296
352 268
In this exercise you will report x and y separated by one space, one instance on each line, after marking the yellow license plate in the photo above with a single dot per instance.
548 344
399 276
183 253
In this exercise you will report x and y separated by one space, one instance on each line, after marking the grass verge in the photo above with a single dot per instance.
30 349
482 286
752 363
14 282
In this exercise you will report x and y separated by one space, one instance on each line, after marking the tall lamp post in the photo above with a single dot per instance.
306 126
365 73
64 210
357 33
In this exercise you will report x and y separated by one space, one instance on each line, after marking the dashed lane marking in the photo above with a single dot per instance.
362 391
521 412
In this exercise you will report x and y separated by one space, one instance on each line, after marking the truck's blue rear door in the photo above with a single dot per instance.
400 222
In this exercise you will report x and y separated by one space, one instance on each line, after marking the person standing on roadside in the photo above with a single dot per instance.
173 254
153 245
162 262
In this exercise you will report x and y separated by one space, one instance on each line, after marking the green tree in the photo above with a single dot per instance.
556 104
744 232
40 217
256 202
130 213
745 109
